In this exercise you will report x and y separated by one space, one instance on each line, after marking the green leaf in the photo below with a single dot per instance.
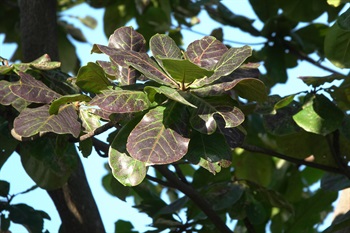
33 90
264 9
336 46
319 115
114 187
184 71
202 118
229 62
48 167
91 78
206 52
311 37
318 81
122 226
300 10
211 148
4 188
57 103
171 93
121 101
85 147
344 20
27 216
159 138
88 21
89 121
33 121
44 63
127 170
334 182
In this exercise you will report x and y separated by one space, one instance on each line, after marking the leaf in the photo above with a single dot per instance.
140 61
203 117
319 115
33 121
122 226
44 63
91 78
159 138
126 38
229 62
344 20
85 147
32 90
89 121
127 170
88 21
49 167
211 148
164 46
264 9
4 188
114 187
7 97
121 101
336 46
205 52
318 81
57 103
27 216
171 93
334 182
300 10
184 71
340 224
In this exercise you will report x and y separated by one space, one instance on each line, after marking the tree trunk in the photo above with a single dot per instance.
74 202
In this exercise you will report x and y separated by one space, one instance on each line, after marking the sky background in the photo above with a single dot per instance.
111 208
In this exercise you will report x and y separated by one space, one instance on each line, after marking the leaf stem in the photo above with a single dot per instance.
256 149
195 197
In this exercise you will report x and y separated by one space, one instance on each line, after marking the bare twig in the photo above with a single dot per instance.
159 181
195 197
180 174
97 131
291 159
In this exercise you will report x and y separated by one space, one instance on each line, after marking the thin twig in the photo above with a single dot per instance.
159 181
180 174
195 197
97 131
291 159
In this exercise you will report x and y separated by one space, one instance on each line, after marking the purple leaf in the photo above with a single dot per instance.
33 121
8 98
127 38
33 90
206 52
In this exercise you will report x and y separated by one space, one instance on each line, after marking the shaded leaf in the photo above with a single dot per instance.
344 20
114 187
33 121
57 103
336 46
121 101
157 138
318 81
334 182
48 166
85 147
206 52
4 188
319 115
122 226
33 90
302 11
202 118
211 148
341 224
27 216
91 78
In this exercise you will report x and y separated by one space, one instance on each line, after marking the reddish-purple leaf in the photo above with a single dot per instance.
33 90
127 38
206 52
8 98
153 143
33 121
121 101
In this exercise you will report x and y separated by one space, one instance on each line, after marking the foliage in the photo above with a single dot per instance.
197 120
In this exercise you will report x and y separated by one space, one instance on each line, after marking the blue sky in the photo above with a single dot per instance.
111 208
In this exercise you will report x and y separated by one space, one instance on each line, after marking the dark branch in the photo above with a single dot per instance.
195 197
249 225
100 147
159 181
97 131
291 159
180 174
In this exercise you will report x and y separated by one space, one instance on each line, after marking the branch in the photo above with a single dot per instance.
248 225
256 149
180 174
97 131
334 147
195 197
159 181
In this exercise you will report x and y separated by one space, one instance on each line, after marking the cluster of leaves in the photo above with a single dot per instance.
31 219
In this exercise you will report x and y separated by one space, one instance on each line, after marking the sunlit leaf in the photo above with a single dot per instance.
57 103
206 52
171 93
162 45
33 121
127 38
319 115
89 121
33 90
121 101
159 138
